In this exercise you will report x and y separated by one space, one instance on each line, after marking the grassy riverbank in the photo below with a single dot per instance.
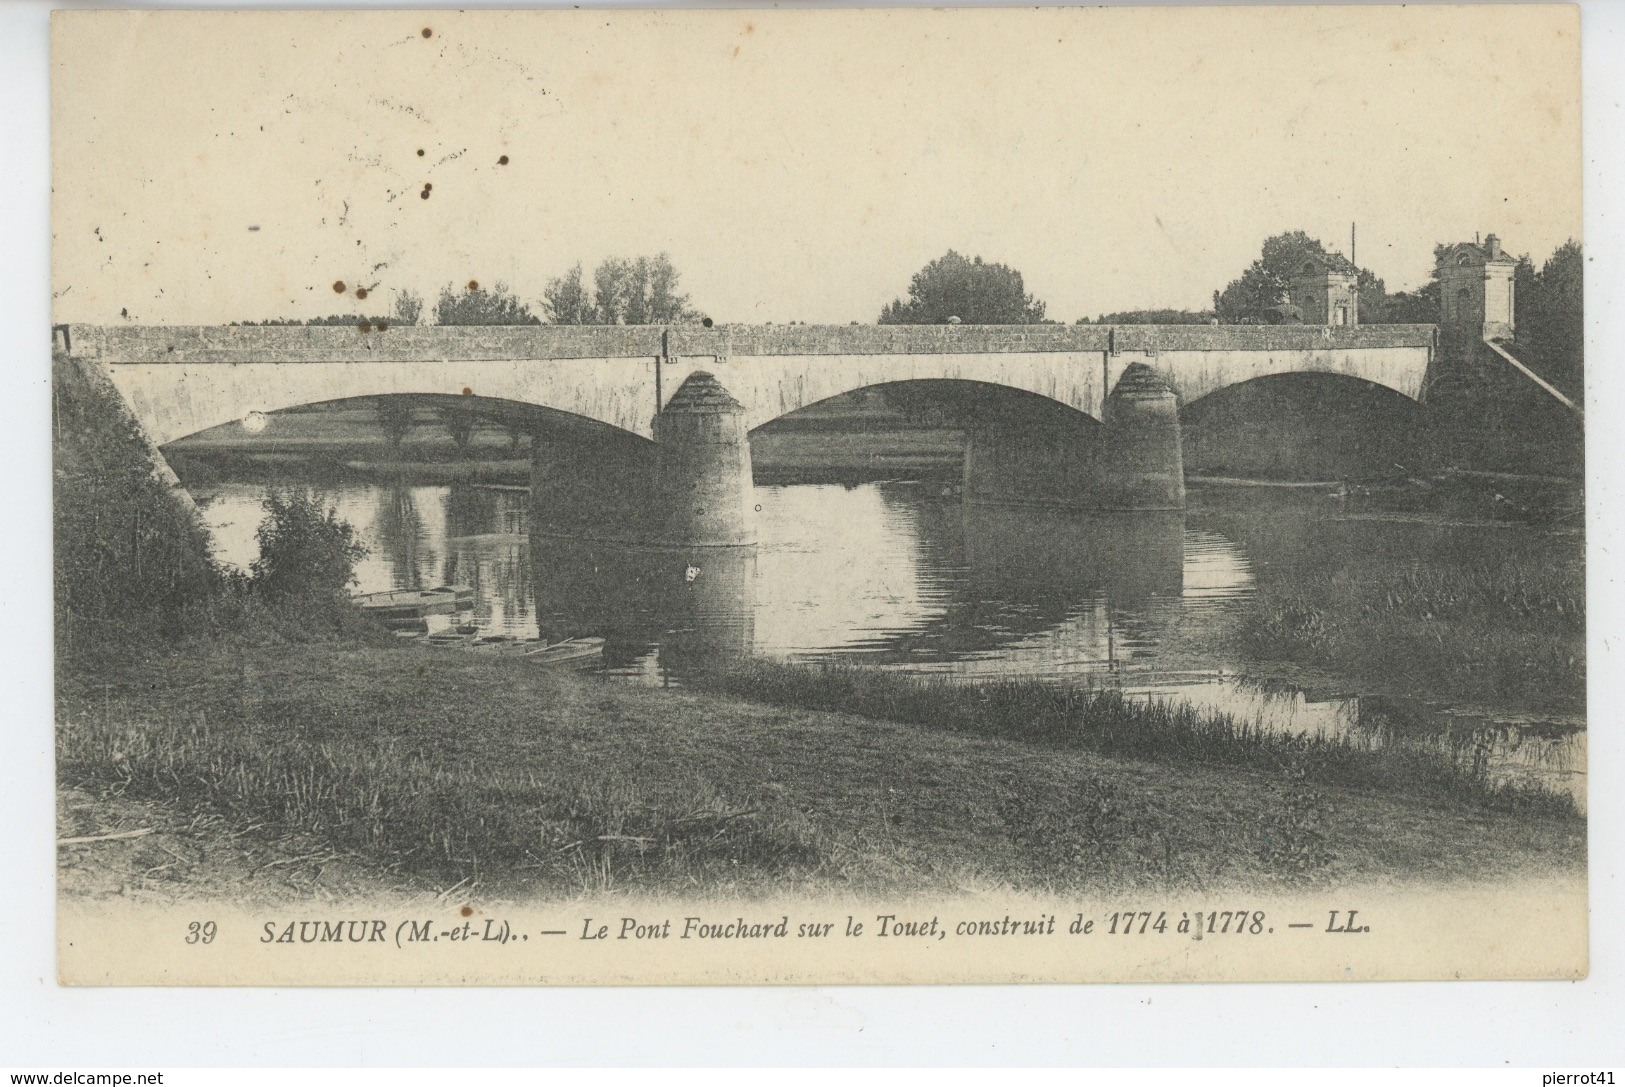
397 761
1509 635
1464 590
1108 723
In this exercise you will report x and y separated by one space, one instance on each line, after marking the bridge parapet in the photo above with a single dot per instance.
115 344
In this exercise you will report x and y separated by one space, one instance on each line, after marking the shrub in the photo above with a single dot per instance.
305 550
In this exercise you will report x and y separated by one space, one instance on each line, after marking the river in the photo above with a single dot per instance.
903 576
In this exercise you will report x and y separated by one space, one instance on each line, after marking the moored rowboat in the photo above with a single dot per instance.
398 605
573 649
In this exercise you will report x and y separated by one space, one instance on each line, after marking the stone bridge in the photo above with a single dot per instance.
180 380
697 393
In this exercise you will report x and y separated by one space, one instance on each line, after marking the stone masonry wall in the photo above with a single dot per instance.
401 343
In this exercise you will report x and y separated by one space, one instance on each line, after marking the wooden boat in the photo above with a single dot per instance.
463 594
403 606
570 650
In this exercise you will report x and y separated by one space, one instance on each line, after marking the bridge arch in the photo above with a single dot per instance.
174 400
414 414
955 403
1196 374
771 387
1302 426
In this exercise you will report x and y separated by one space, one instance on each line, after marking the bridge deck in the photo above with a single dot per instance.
116 344
183 379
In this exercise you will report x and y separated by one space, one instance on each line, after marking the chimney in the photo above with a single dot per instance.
1493 245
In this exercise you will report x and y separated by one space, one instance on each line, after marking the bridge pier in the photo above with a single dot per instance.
703 477
1131 461
1141 462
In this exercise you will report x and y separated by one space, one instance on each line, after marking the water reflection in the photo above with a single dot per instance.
658 610
403 539
1523 753
488 548
900 576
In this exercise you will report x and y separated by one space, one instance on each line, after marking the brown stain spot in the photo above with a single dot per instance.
420 152
503 161
338 286
736 50
383 326
428 32
425 192
750 28
473 284
467 391
467 911
364 326
361 292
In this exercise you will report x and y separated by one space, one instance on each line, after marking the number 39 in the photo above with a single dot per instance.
200 932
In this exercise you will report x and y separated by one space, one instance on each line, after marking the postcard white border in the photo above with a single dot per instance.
1524 1023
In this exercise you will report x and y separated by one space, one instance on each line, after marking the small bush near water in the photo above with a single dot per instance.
1108 723
305 550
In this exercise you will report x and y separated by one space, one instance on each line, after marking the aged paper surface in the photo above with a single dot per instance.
879 496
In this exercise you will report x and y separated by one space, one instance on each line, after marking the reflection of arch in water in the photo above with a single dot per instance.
1034 581
1033 554
696 608
482 509
1124 570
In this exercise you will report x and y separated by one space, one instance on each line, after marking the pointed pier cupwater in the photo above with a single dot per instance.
1141 466
703 476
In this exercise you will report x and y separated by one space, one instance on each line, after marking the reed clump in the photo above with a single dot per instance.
1513 633
1109 723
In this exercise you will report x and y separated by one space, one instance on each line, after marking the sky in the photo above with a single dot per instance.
795 165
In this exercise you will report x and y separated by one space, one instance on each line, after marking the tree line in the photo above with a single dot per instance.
623 291
644 290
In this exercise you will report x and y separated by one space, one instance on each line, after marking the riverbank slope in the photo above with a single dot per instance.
331 769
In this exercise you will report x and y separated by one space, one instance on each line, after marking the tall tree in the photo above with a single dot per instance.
976 292
477 306
637 291
567 299
1550 315
611 283
408 307
1268 278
